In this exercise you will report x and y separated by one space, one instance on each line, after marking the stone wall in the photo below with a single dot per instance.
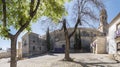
87 36
32 44
25 45
100 45
4 54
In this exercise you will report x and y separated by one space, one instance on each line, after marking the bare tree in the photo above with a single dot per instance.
85 10
46 23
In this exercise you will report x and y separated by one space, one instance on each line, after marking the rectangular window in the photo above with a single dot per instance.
117 32
33 48
118 46
39 48
25 43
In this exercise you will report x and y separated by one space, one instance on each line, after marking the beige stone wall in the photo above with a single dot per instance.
100 45
87 36
25 45
4 54
32 44
19 50
59 44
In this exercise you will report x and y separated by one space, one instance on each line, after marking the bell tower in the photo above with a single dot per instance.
103 27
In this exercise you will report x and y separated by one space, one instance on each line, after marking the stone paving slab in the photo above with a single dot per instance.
80 60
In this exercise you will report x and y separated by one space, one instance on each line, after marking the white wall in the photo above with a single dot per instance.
111 38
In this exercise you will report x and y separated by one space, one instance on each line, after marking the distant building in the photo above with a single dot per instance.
32 44
110 41
87 36
99 44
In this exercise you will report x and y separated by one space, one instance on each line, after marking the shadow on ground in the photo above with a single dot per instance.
51 54
91 64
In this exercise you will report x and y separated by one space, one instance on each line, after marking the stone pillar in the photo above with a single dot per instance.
19 50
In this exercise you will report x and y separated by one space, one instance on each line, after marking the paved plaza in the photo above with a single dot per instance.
55 60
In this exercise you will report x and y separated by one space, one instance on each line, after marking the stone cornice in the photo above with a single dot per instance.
113 21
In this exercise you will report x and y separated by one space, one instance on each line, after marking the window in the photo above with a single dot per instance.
63 46
25 43
33 48
118 46
118 26
39 48
84 33
94 35
117 32
33 41
104 33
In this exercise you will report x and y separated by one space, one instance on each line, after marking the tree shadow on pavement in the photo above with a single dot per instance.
37 55
52 54
93 64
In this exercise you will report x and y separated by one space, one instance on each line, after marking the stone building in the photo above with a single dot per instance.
57 38
105 39
113 37
32 44
87 36
110 41
99 44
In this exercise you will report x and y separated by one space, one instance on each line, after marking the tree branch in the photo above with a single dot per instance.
4 19
84 21
34 11
32 14
75 27
23 27
78 20
64 26
4 13
31 7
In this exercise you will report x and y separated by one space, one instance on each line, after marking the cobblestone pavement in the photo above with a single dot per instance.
55 60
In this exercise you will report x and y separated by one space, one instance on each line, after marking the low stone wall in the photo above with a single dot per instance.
4 54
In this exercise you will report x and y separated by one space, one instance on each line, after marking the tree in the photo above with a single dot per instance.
19 13
85 10
48 40
0 48
77 41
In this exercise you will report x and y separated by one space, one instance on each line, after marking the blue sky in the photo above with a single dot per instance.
112 7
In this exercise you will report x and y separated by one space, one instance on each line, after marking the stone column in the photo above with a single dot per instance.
19 50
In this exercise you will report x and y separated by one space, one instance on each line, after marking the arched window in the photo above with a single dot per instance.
118 26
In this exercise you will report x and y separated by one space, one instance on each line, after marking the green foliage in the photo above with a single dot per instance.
52 8
18 12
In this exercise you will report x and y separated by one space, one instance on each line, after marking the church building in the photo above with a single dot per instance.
105 39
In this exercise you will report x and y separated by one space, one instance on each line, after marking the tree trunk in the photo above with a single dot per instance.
13 62
67 47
